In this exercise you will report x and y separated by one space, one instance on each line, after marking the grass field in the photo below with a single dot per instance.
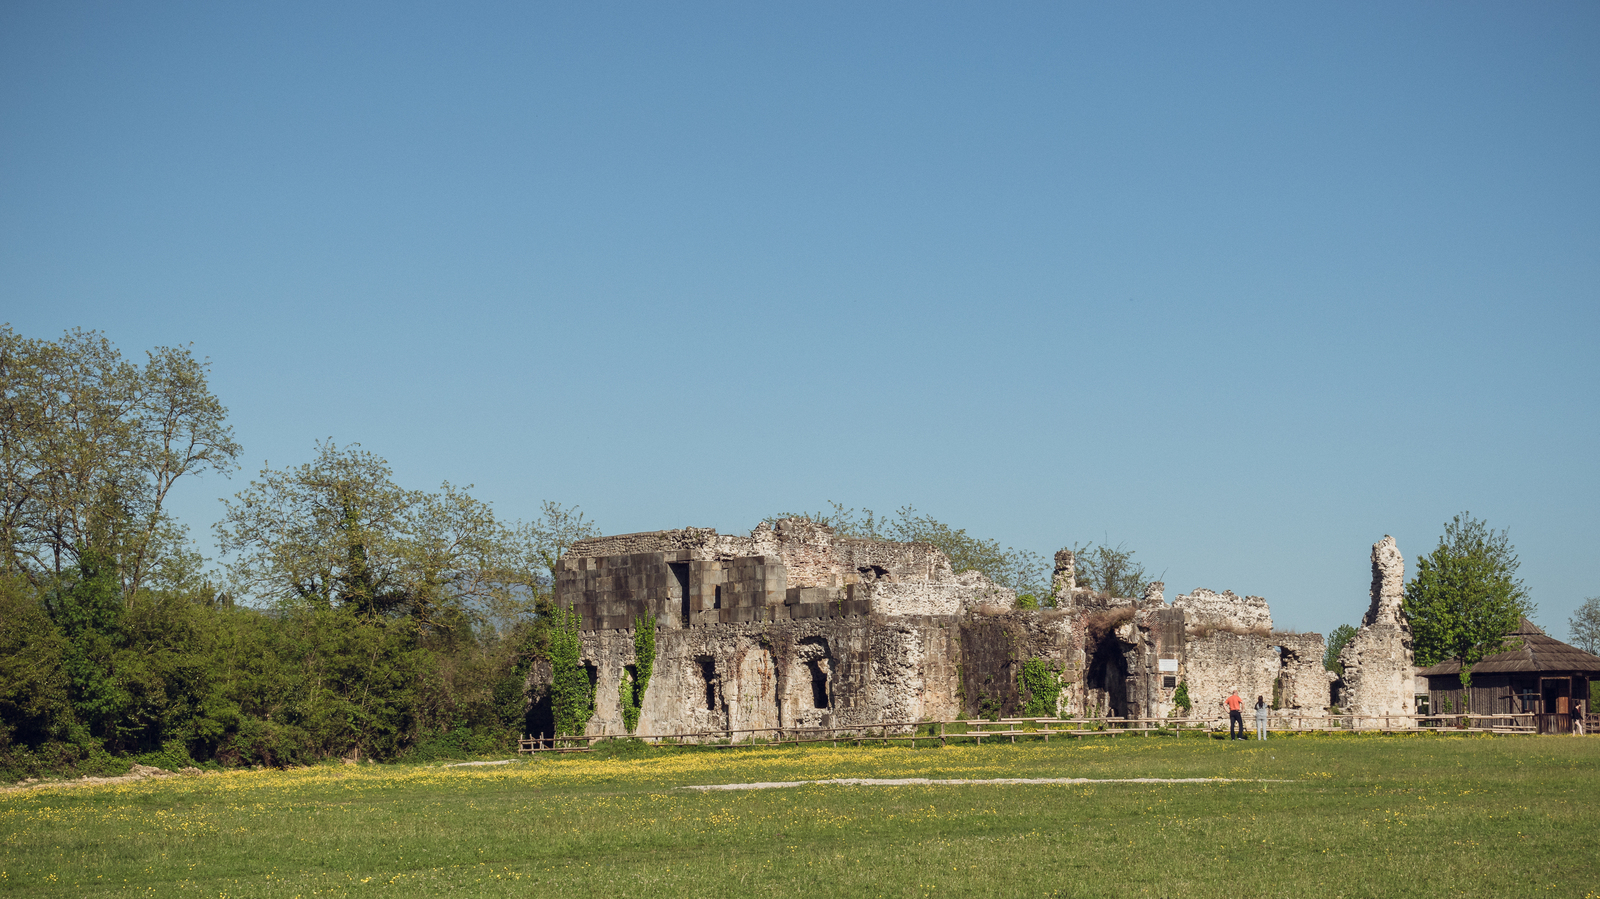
1330 815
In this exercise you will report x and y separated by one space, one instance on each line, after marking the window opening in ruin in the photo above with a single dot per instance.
708 674
818 659
1286 658
872 572
716 597
680 574
819 683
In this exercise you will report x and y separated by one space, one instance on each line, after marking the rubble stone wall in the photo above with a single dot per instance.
994 646
1379 677
796 627
1223 662
829 673
1207 609
1305 679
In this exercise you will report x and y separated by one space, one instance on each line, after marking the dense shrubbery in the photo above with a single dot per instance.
170 681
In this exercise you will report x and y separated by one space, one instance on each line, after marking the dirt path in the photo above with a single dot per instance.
923 781
139 772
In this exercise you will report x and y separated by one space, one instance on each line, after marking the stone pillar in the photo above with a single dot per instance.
1378 671
1065 581
1154 596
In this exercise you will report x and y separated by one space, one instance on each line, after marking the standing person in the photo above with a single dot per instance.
1261 717
1235 719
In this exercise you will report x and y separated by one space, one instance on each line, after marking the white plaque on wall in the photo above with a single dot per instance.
1168 665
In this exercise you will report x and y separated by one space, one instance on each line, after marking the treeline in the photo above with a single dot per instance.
355 617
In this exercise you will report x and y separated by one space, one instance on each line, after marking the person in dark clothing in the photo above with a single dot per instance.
1235 718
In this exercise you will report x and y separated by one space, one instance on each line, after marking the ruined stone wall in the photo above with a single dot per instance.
807 548
831 673
953 596
993 648
1122 651
1378 670
736 591
613 591
694 576
1163 635
1222 662
896 561
1209 610
1304 677
795 627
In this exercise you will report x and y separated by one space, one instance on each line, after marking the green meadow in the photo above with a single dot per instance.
1315 815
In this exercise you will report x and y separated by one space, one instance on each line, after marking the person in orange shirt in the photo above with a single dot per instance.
1235 719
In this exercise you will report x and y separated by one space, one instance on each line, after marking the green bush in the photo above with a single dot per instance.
571 694
644 654
1041 682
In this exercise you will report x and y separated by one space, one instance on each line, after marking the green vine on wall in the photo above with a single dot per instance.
571 694
1041 679
644 661
1180 697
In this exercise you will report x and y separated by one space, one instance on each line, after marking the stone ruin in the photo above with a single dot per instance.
1379 674
795 626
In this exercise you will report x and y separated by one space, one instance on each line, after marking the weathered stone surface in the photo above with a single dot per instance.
1379 677
1064 581
1209 610
1154 595
795 627
843 672
1223 662
1388 584
1304 677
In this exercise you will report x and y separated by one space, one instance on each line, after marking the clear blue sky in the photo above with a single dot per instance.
1244 286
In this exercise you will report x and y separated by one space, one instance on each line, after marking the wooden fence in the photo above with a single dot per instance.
979 729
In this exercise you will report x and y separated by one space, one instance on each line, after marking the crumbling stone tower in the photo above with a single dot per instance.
1379 674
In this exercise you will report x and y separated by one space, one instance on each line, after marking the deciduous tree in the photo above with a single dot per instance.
1465 596
1110 570
89 438
1337 640
1585 626
337 531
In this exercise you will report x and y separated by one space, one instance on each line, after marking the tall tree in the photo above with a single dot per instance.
1337 640
88 437
338 532
1465 596
1585 626
547 538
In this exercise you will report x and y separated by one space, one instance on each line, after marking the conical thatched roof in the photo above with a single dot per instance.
1538 653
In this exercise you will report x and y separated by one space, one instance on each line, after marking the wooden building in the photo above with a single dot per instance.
1542 678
